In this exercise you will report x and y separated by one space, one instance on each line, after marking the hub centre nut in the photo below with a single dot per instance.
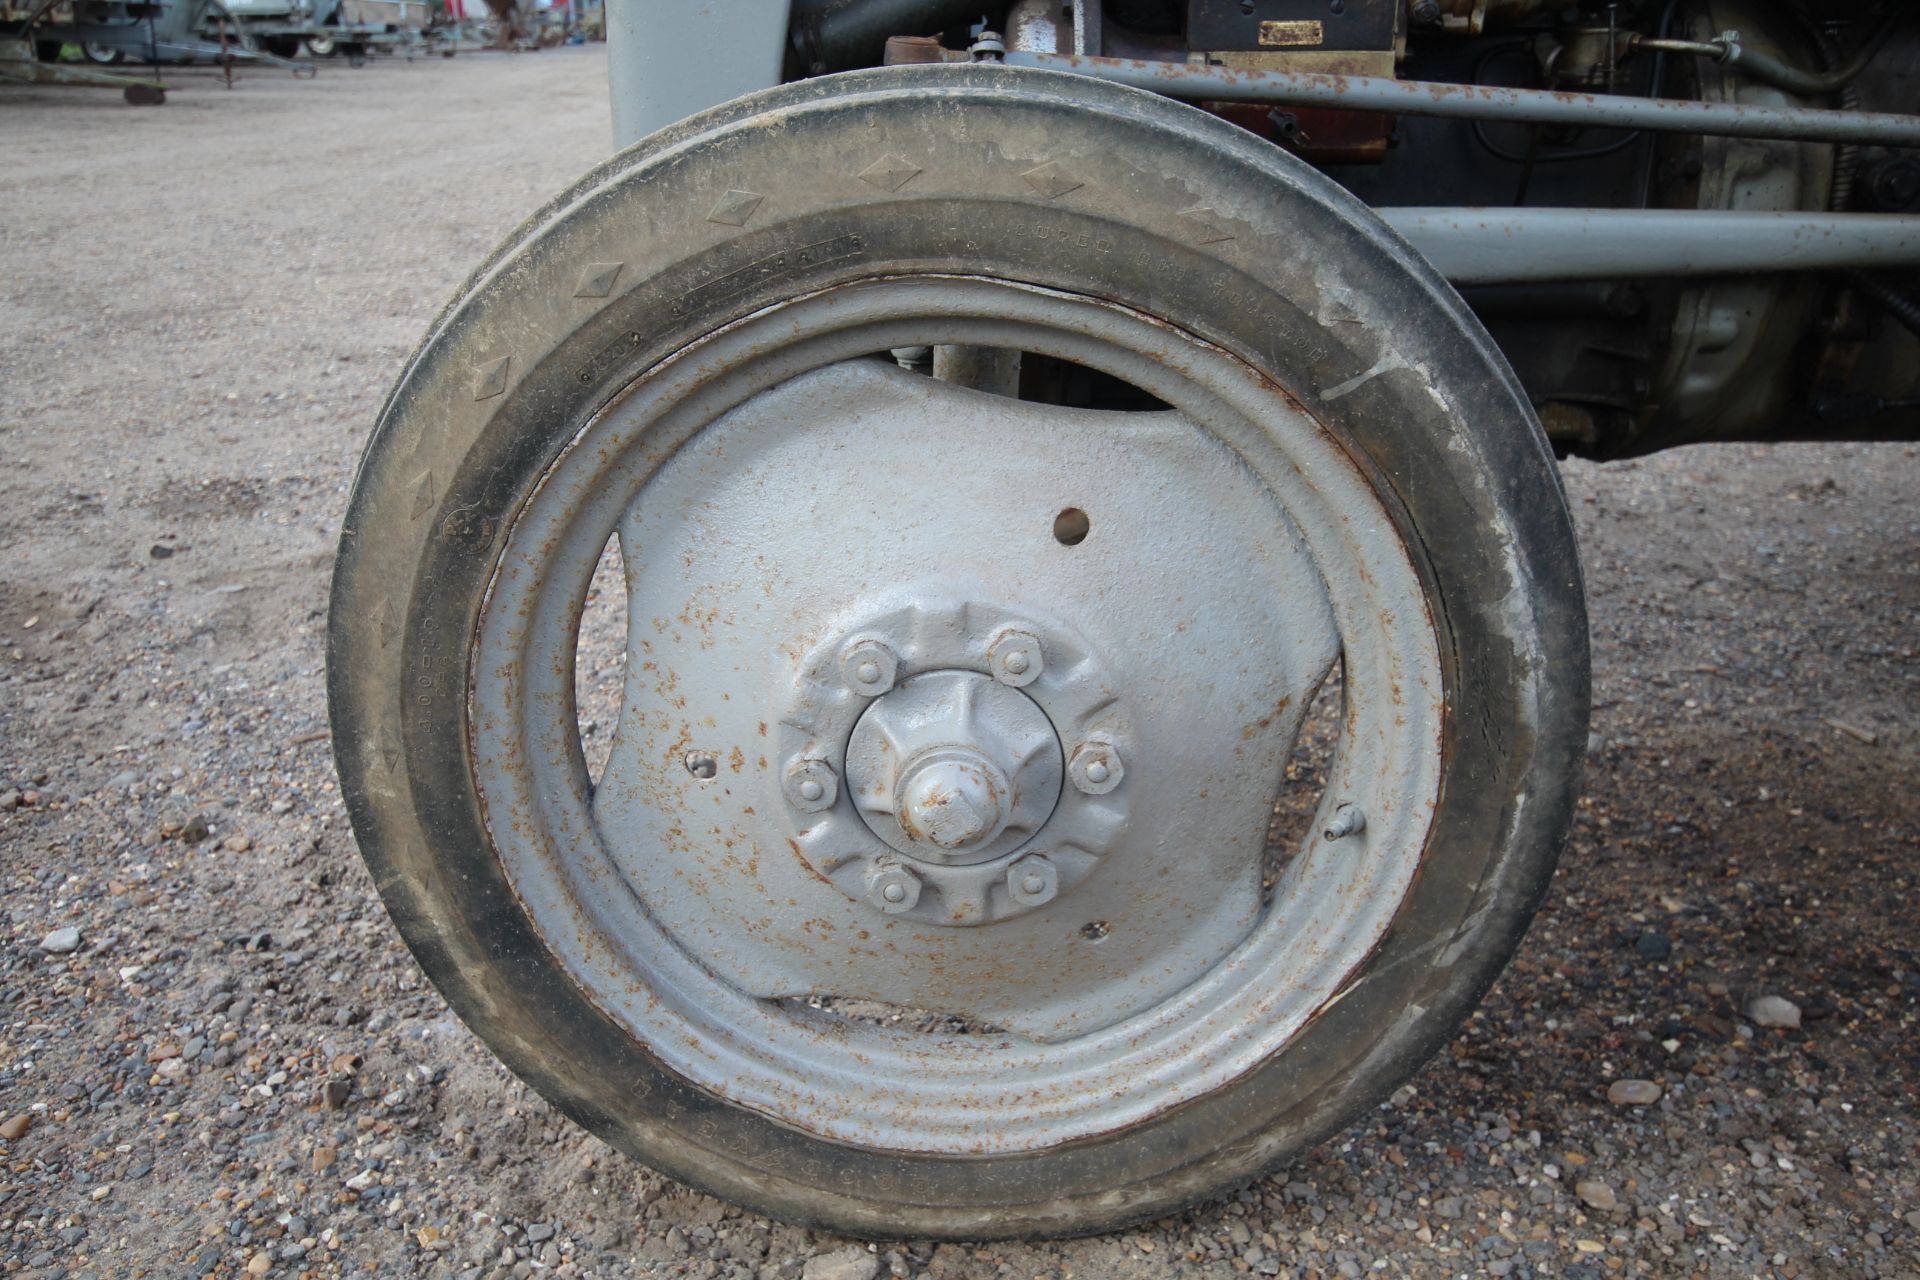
954 767
954 800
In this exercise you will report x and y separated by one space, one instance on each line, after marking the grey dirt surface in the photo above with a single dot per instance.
1704 1061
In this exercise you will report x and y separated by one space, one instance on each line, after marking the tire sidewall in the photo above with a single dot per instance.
1439 425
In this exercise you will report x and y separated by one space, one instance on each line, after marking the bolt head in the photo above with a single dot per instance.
811 785
1032 881
1015 659
869 667
893 888
1095 767
1348 820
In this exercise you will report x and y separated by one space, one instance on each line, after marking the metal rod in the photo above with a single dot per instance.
1511 246
1486 102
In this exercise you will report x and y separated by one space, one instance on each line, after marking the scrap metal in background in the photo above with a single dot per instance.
114 33
20 65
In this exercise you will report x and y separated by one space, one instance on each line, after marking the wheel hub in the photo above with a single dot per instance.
953 768
949 804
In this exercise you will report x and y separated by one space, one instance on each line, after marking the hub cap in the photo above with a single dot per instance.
954 769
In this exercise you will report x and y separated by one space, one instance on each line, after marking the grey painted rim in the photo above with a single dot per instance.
882 1088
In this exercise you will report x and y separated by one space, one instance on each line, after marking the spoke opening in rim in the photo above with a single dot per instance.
1303 782
600 660
1047 379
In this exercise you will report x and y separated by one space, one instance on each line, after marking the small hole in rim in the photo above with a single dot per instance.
1070 527
1095 930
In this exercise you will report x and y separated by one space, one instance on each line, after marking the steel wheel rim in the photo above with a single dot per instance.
885 1089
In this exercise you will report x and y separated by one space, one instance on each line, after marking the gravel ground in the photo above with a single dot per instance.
216 1058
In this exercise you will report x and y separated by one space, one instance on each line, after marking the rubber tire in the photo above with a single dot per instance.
1478 496
105 57
281 46
322 46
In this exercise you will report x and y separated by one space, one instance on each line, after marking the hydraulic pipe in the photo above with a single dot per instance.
1512 246
1486 102
1726 47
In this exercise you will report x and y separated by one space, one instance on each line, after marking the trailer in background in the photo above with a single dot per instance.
111 32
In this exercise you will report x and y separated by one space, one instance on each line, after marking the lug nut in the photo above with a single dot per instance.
1032 881
1095 767
869 667
1014 658
893 888
811 785
1347 821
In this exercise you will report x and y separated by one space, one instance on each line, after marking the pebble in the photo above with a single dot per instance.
1654 946
1774 1011
194 829
15 1127
1633 1093
1595 1194
61 942
851 1263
